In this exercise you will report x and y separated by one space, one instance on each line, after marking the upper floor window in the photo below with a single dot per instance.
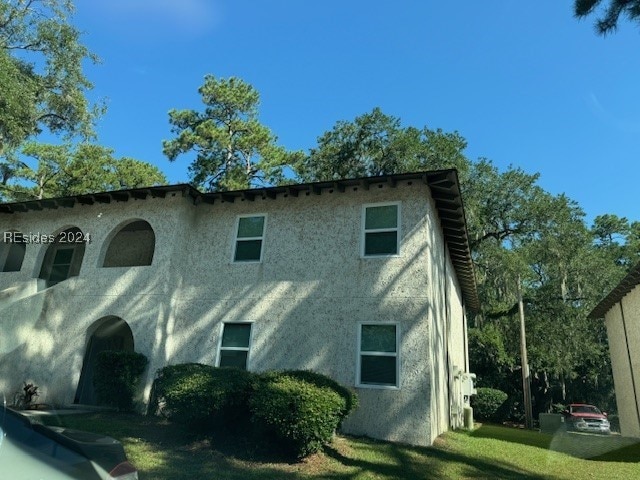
63 257
12 251
378 362
249 238
381 229
235 345
133 246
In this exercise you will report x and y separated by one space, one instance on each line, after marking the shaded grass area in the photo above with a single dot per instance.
162 450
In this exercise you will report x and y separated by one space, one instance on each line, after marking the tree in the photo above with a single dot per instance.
46 171
42 84
607 22
233 149
377 144
516 230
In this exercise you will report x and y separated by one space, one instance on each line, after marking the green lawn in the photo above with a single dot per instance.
166 451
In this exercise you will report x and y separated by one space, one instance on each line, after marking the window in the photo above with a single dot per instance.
63 257
12 251
378 355
235 344
381 232
249 236
61 264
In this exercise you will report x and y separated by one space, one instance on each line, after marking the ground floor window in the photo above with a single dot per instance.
378 361
235 345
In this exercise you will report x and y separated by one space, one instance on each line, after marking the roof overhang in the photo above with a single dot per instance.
627 284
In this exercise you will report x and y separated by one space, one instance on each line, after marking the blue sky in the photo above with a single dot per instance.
524 82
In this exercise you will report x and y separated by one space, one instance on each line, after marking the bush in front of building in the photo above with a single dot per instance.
199 394
301 415
487 402
116 378
319 380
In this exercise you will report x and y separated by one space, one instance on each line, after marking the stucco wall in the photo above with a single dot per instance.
622 346
306 298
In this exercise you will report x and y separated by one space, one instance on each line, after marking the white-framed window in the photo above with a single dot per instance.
249 238
378 355
235 343
381 229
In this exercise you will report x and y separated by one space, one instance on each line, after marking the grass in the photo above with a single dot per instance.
162 450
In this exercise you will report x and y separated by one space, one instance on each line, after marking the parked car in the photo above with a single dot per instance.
32 451
581 417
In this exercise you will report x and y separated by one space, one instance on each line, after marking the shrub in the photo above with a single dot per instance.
193 392
116 377
319 380
301 415
487 402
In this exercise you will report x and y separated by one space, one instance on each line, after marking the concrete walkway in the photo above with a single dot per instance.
66 410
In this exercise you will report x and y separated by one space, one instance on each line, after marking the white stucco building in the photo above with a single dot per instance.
621 312
364 280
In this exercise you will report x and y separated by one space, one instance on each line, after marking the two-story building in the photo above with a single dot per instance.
365 280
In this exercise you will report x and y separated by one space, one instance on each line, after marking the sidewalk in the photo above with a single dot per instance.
66 410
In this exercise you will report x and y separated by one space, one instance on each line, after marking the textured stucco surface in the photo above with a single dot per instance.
306 298
622 346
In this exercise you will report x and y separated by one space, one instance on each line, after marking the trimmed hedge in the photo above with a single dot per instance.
319 380
487 402
296 411
193 392
300 414
116 377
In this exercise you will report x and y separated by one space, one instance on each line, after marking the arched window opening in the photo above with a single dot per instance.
12 251
132 246
63 258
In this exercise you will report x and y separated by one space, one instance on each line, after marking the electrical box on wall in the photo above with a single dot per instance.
468 387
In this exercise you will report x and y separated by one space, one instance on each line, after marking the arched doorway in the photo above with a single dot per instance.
108 333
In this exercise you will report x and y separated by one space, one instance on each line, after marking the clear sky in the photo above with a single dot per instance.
524 82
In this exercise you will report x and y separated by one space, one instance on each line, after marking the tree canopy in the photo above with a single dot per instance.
607 19
43 90
44 171
517 230
233 150
377 144
42 83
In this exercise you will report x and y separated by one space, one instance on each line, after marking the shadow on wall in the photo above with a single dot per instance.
176 317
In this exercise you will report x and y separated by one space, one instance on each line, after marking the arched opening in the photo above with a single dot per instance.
12 251
132 246
108 333
63 257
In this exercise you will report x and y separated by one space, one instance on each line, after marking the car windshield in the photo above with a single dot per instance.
585 409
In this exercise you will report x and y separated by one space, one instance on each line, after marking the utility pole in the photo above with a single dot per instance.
526 380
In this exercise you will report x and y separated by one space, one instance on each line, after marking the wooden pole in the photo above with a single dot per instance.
526 380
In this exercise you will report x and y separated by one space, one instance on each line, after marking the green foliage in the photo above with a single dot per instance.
376 144
350 398
59 170
194 393
607 22
301 415
116 377
487 402
233 149
299 410
517 230
43 85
